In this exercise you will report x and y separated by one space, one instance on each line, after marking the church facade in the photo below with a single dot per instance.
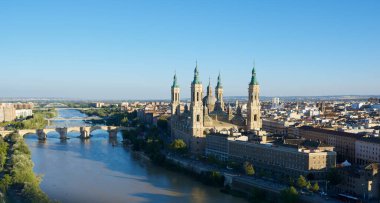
209 114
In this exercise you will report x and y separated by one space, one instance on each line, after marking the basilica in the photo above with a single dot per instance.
209 114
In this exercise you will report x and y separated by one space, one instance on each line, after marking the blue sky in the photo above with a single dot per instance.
130 49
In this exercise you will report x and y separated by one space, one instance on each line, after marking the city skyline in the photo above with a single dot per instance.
129 50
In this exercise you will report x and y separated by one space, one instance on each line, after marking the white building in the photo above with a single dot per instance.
357 106
275 102
367 150
23 113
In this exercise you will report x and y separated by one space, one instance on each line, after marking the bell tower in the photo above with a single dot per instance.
219 94
254 115
175 102
196 106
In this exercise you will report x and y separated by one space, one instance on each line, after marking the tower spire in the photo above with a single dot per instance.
209 89
253 77
196 74
175 80
219 84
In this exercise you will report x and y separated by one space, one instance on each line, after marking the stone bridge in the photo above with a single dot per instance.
84 131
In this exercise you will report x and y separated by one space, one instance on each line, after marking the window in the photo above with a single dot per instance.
255 117
198 118
197 96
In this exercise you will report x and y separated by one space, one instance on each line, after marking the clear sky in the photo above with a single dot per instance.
119 49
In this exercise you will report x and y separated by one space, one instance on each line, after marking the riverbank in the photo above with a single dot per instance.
111 116
199 173
18 182
37 121
235 183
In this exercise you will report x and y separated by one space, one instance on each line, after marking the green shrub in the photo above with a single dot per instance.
289 195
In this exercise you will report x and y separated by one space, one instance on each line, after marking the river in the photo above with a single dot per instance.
95 170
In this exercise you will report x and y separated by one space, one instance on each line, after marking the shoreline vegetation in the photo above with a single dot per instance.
148 142
18 182
154 148
112 116
37 121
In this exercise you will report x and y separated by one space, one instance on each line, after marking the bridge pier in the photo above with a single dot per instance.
84 133
41 134
62 133
112 133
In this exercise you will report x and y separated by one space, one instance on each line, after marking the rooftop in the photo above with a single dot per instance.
331 132
370 139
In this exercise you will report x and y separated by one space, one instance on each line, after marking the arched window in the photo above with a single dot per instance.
198 118
255 117
197 96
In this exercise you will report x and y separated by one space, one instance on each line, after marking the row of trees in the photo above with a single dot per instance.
146 140
3 153
113 116
19 181
302 183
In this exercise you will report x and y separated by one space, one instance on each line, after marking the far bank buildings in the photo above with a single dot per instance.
209 114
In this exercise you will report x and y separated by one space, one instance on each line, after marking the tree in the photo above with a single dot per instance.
301 182
178 145
124 121
5 182
289 195
249 170
315 187
308 185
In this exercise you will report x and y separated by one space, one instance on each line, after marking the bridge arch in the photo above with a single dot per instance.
29 134
52 134
23 133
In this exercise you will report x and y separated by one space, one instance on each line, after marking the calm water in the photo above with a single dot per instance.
96 171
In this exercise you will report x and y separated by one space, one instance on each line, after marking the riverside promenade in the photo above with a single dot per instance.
237 180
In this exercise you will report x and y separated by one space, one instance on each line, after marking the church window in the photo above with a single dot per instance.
198 118
255 117
197 96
